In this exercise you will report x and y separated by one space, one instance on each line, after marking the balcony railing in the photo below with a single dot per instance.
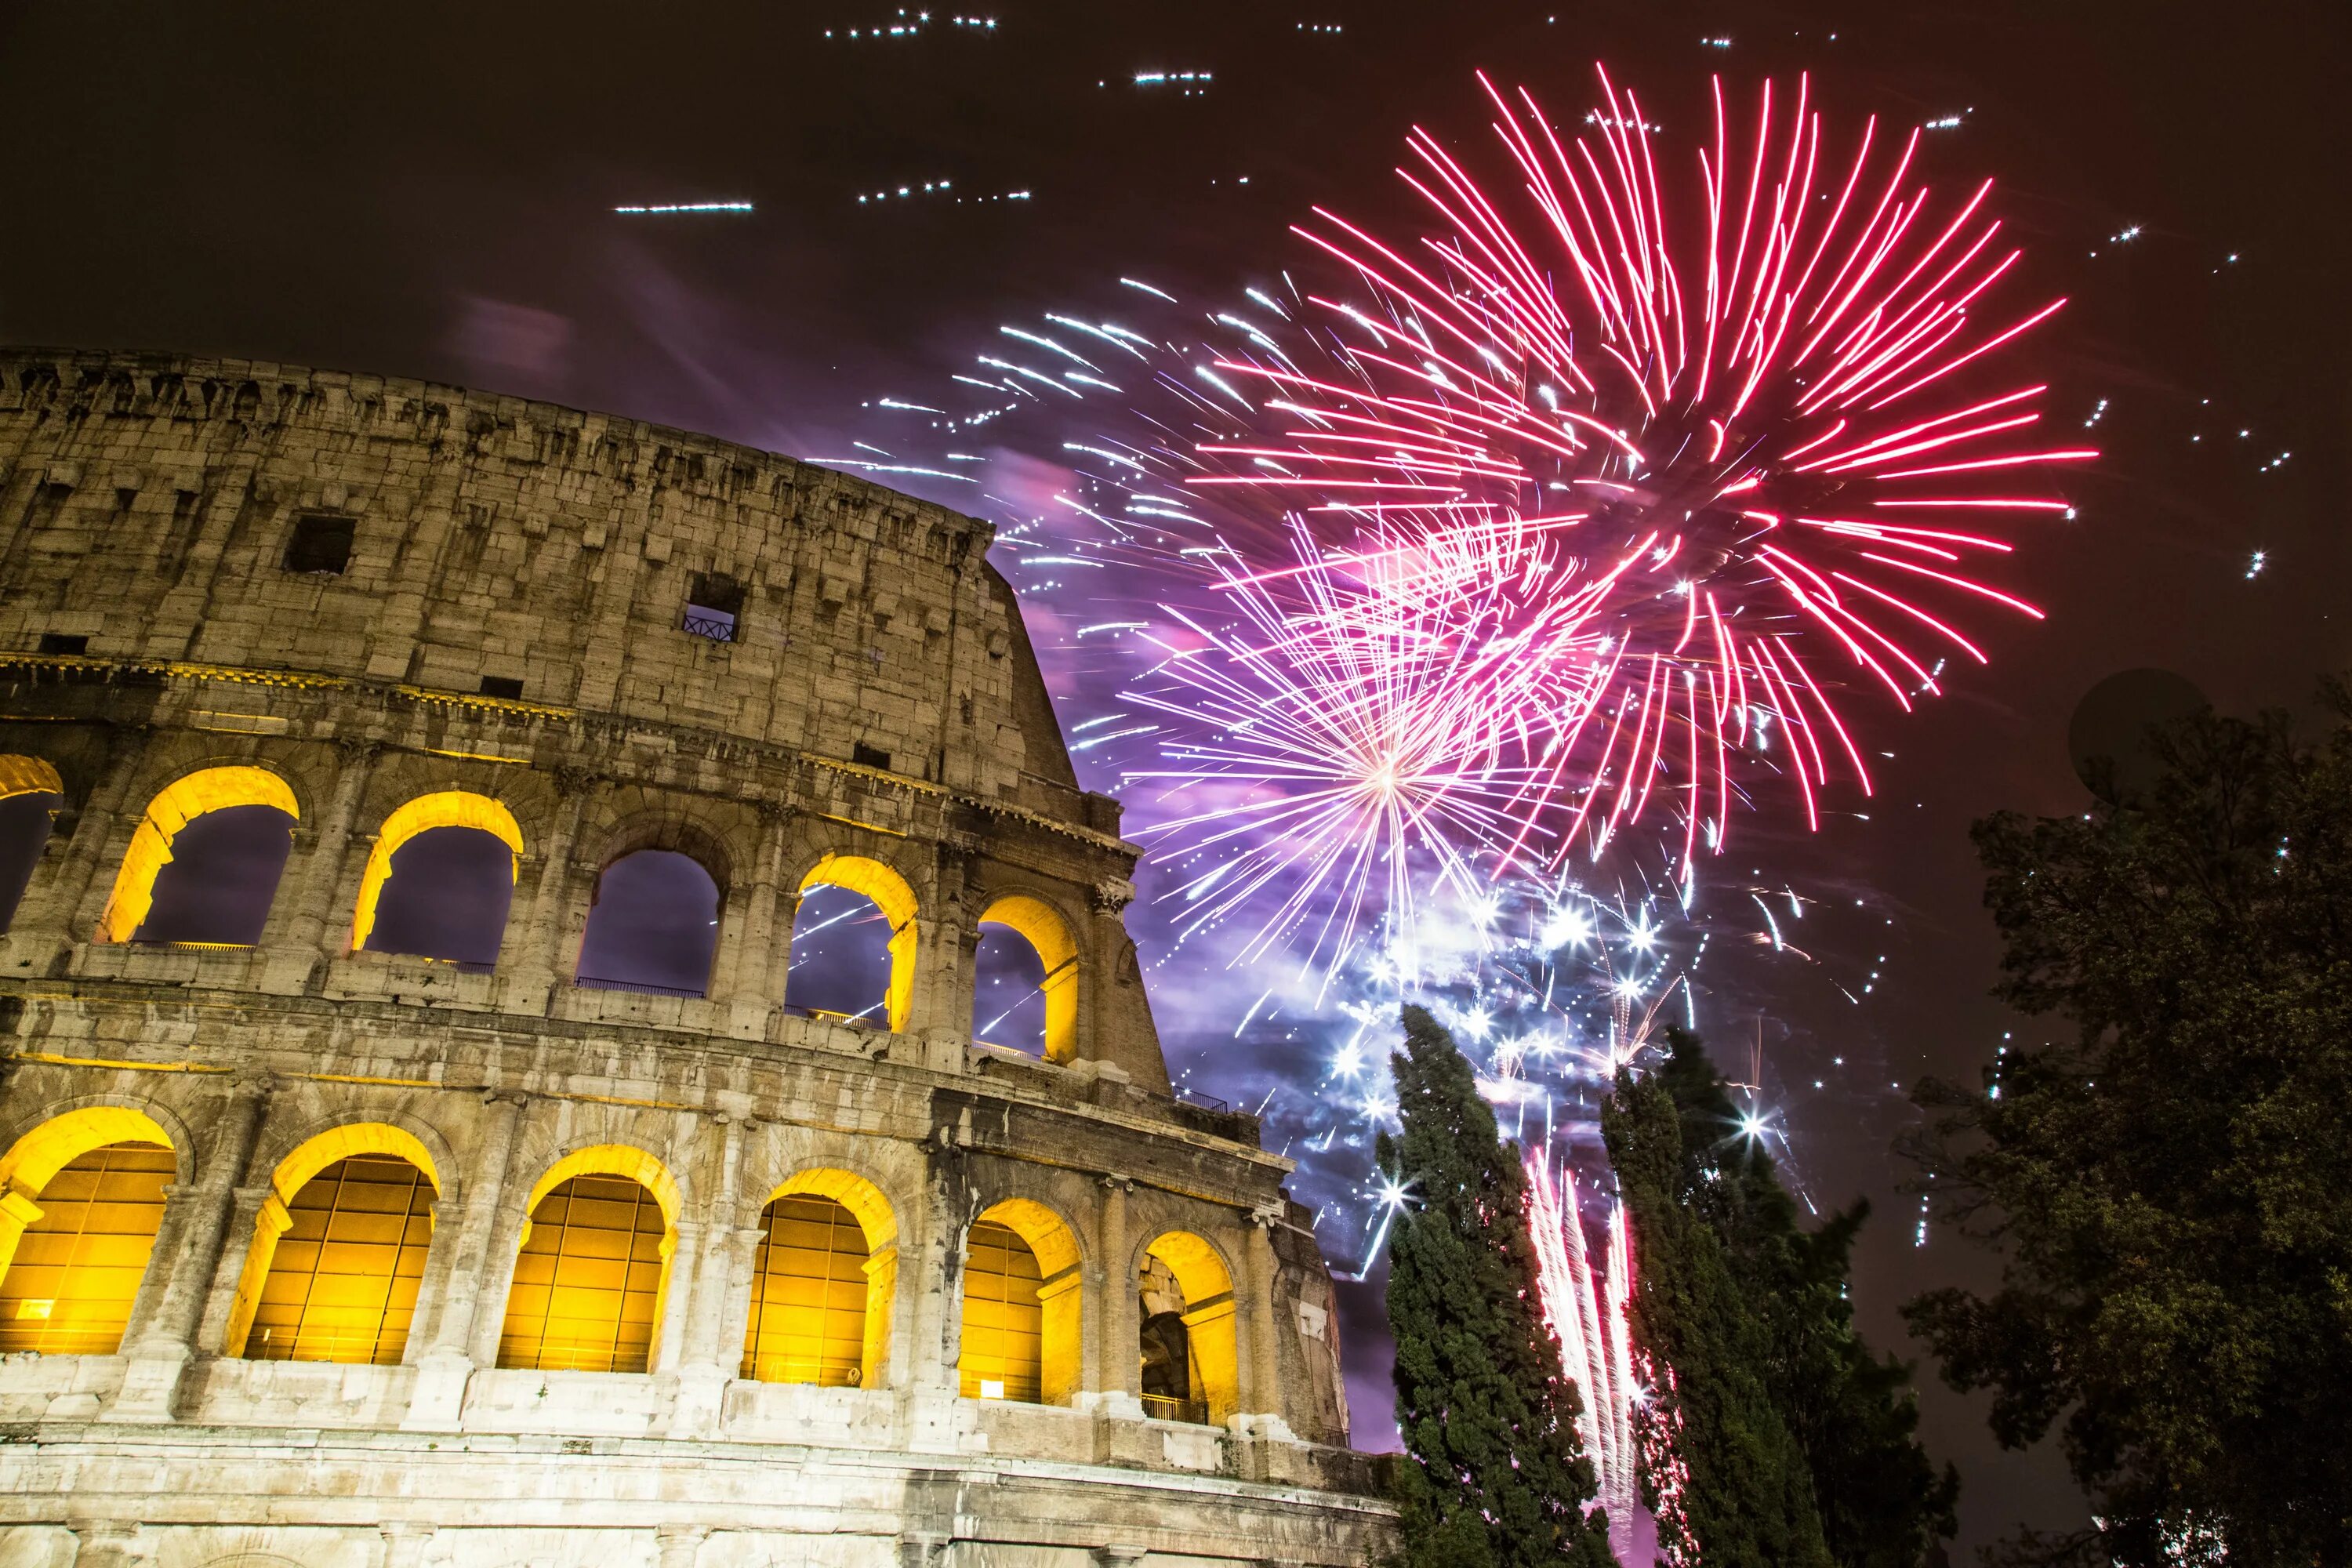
638 987
1166 1407
717 628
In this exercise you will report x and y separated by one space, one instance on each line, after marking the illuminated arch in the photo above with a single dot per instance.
589 1295
444 808
95 1246
896 899
366 1274
821 1306
1020 1313
179 803
1207 1286
27 775
1041 925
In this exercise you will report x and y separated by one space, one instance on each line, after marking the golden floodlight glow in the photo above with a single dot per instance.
77 1260
336 1200
1208 1287
1020 1318
896 899
808 1296
27 775
1040 925
594 1266
179 803
445 809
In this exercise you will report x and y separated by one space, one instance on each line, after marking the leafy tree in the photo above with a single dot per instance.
2170 1181
1798 1446
1498 1476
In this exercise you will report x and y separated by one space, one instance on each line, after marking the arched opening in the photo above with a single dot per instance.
653 926
1190 1366
440 878
80 1199
823 1283
1019 1306
594 1265
338 1251
1025 979
31 795
204 863
853 943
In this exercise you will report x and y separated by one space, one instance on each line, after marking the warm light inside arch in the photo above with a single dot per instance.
1041 925
1055 1247
794 1304
111 1252
177 804
1209 1317
444 808
889 891
27 775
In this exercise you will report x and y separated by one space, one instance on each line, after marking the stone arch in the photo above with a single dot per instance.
1020 1330
115 1269
442 808
21 774
173 808
630 819
1052 936
25 825
294 1173
597 1307
810 1320
1205 1280
638 823
891 894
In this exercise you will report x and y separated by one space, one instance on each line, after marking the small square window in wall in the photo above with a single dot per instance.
714 607
501 686
866 756
59 642
321 544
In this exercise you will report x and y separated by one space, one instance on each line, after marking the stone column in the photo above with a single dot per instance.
931 1265
113 1543
677 1545
159 1341
304 910
532 951
1120 1356
701 1367
1263 1398
749 986
444 1323
404 1544
245 1206
49 914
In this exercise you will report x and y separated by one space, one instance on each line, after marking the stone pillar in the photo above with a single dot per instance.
931 1265
710 1255
304 910
945 952
446 1321
677 1545
246 1205
159 1341
49 914
112 1543
532 951
751 985
404 1544
1263 1398
1119 1355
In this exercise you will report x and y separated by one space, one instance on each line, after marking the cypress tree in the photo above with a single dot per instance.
1497 1478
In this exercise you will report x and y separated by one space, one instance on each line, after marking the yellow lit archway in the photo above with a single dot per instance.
349 1294
179 803
1209 1320
81 1198
591 1267
1021 1311
824 1284
1041 925
445 809
27 775
896 899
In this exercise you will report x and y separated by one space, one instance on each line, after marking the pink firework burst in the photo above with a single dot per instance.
1650 475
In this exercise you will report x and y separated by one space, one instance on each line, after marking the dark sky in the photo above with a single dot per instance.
427 190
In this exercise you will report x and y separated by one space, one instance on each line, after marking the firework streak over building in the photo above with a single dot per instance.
1483 578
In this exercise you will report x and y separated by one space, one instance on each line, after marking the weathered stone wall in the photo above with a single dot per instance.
145 506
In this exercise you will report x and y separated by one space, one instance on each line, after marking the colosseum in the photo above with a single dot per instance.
422 1138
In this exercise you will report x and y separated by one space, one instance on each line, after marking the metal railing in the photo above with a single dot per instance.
1167 1407
641 987
717 628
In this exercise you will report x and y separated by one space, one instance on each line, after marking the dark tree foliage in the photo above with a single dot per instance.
1799 1445
2170 1182
1498 1476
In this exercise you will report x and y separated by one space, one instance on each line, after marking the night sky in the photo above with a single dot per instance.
428 192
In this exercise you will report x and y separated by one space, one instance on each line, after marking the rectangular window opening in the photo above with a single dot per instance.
319 546
866 756
714 607
59 642
501 686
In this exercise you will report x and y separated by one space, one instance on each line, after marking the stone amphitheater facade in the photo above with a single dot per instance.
382 607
